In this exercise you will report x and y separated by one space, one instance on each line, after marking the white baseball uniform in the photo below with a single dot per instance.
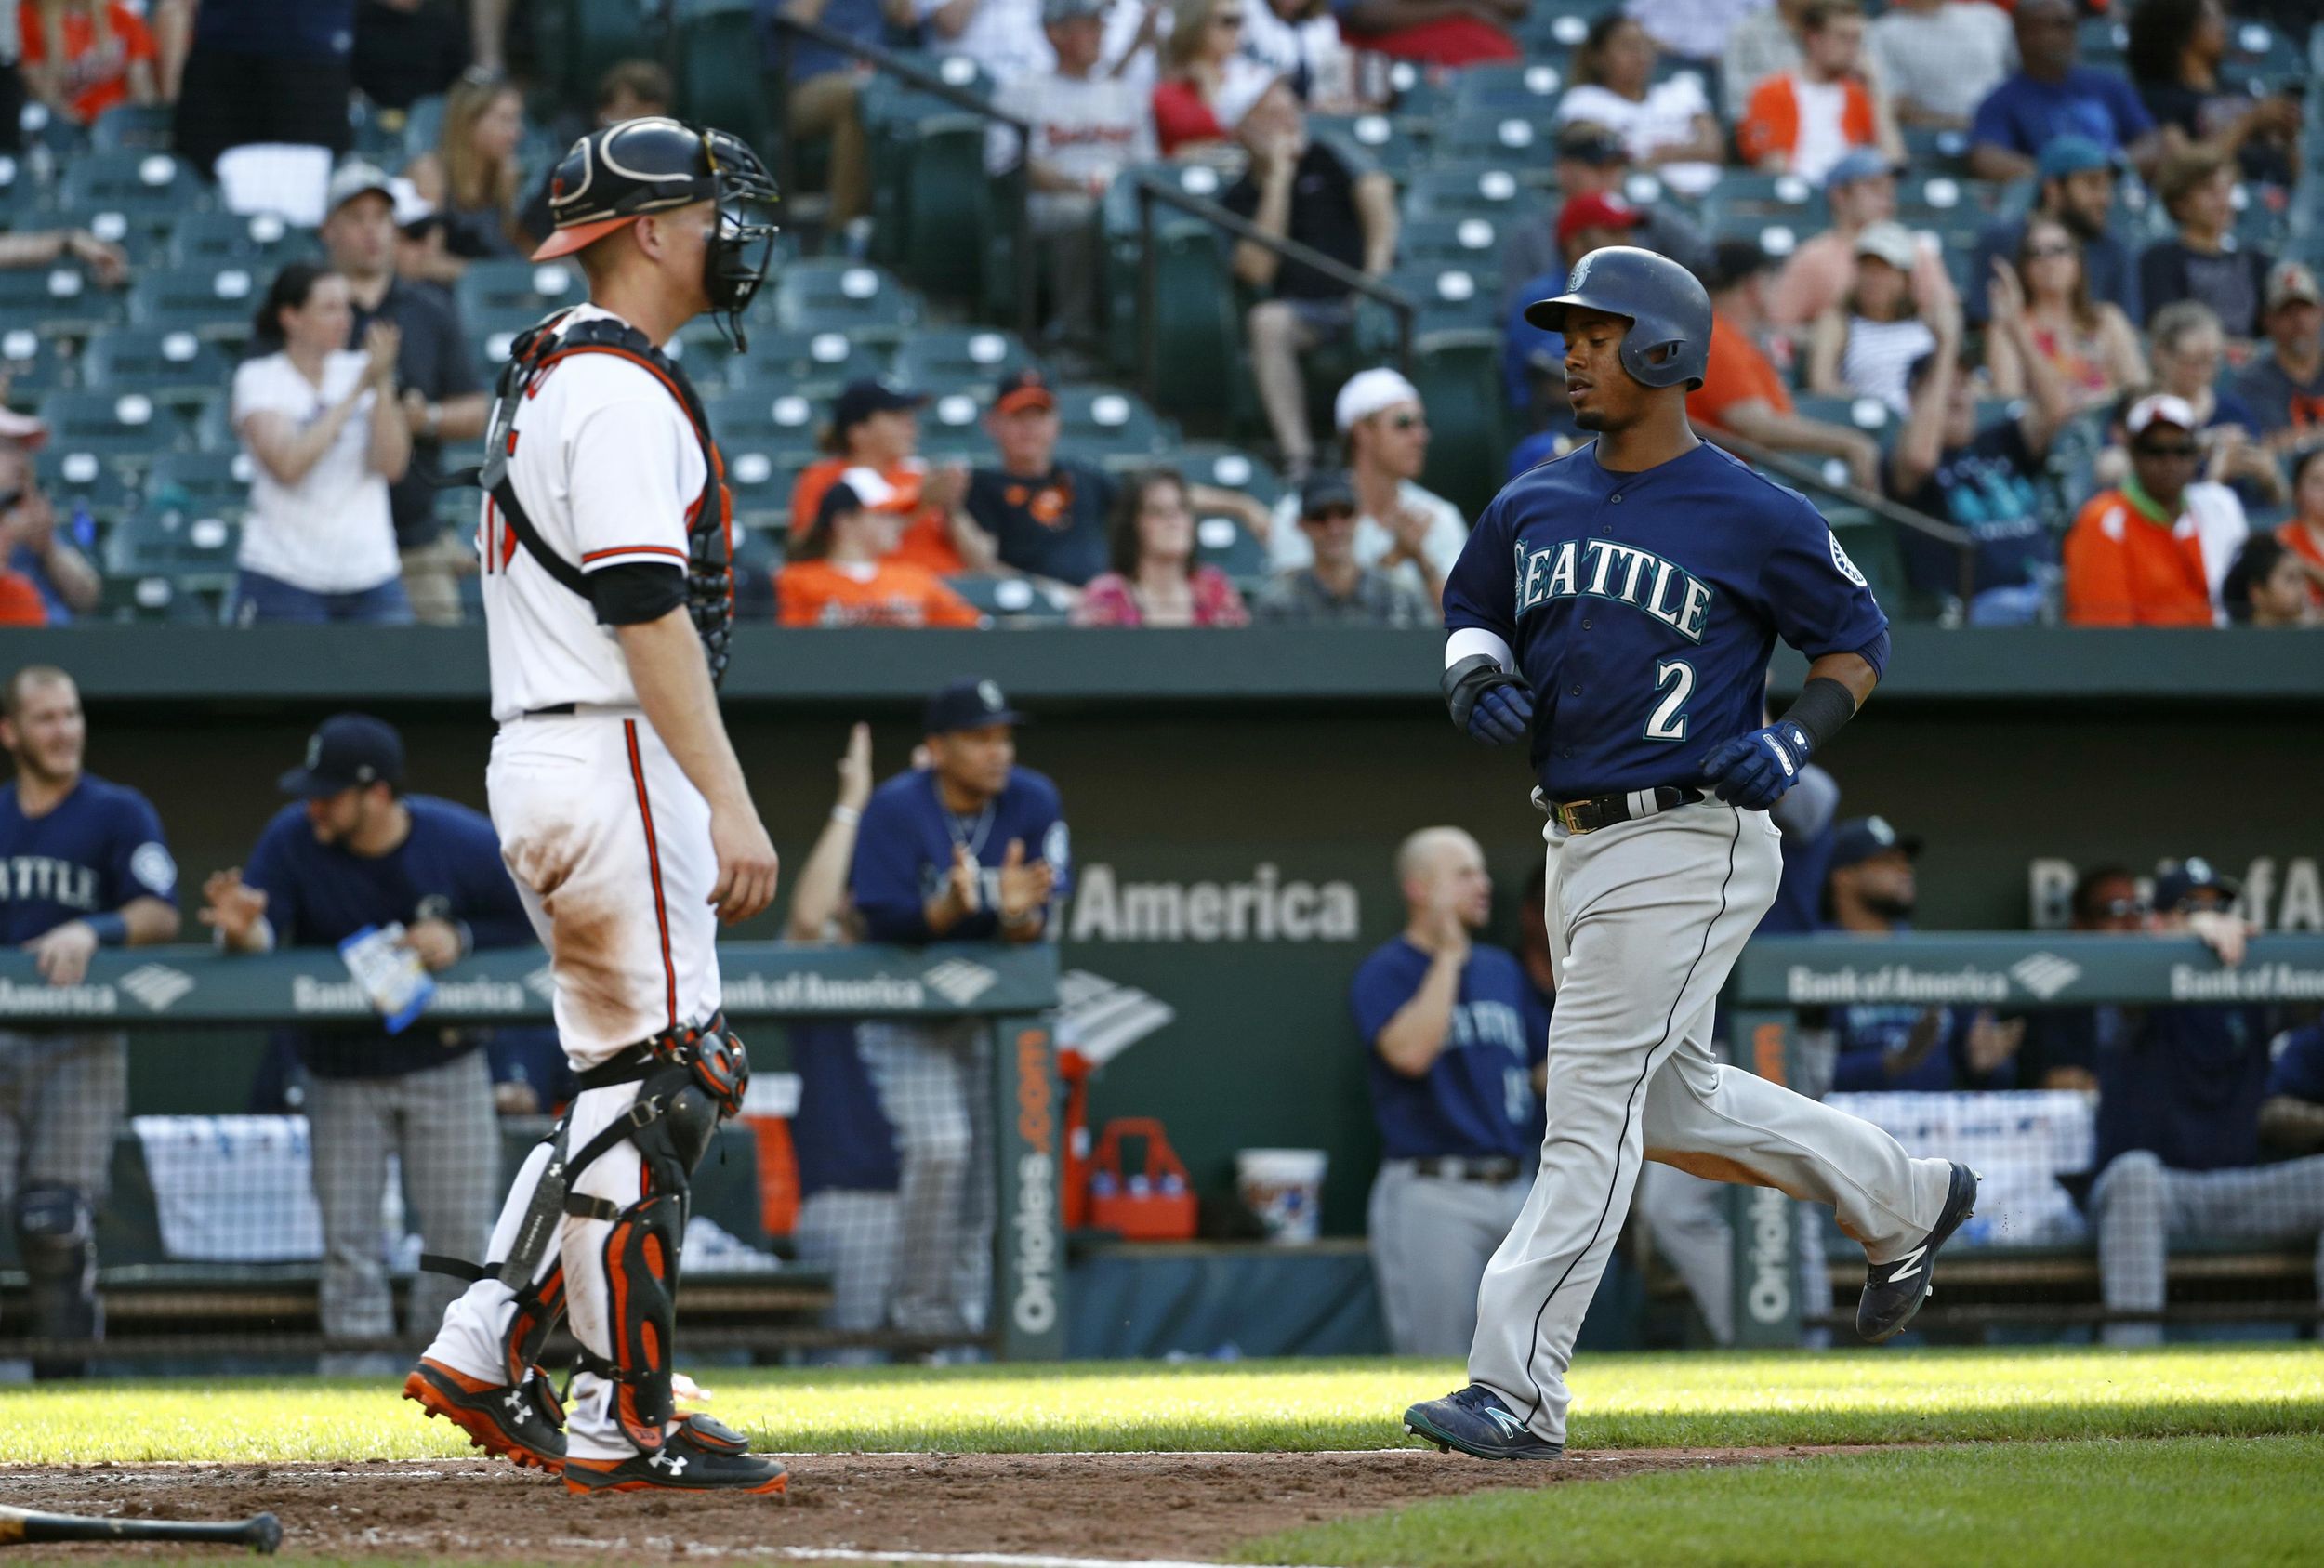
607 841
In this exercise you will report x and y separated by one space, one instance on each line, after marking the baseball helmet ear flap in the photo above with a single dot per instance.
1668 342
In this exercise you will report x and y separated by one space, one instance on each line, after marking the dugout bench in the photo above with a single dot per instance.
1998 1283
161 1305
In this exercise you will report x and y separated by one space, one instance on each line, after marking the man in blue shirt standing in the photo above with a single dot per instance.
354 851
2051 97
971 849
1457 1038
81 866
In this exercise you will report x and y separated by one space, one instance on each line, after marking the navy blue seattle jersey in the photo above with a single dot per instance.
95 851
1643 609
1477 1098
903 851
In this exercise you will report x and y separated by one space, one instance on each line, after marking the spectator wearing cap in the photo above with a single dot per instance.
2076 188
407 50
1743 392
1432 32
843 573
2061 1049
260 71
1087 127
2304 534
630 89
84 56
1861 189
1045 515
2050 95
1666 126
1940 57
1330 199
2187 348
1870 890
2203 262
2267 587
2180 1092
327 436
352 854
435 377
1209 86
1985 480
1533 357
1590 160
971 848
2090 342
47 580
1335 587
1804 122
1864 345
2153 552
1155 579
876 425
2284 384
1401 528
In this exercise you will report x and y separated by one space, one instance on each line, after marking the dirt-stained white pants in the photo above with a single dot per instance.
610 846
1645 918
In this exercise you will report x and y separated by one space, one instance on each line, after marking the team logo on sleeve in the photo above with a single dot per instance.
154 871
1057 848
1840 559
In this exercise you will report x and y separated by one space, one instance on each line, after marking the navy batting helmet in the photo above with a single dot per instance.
1669 340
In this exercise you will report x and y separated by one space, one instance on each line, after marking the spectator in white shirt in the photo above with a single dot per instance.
1086 128
1864 343
1300 41
1939 58
1666 126
322 425
1002 36
1696 30
1401 529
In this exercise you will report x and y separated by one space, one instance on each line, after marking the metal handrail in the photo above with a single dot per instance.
921 80
1150 190
1808 475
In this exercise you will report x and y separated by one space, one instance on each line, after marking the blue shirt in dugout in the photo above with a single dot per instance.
1476 1101
841 1135
1643 608
90 853
903 851
2186 1083
318 895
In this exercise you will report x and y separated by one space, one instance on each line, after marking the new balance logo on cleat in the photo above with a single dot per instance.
1900 1267
1509 1424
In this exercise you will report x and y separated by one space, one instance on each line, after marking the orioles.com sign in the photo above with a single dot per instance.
1034 1212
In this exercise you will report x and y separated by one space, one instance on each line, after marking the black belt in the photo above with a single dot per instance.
554 710
629 1067
1605 811
1452 1168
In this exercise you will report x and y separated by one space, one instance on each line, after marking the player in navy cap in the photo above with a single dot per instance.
83 865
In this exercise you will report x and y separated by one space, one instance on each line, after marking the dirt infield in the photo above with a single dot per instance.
1121 1506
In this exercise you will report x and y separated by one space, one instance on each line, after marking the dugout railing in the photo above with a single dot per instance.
2028 1262
196 1309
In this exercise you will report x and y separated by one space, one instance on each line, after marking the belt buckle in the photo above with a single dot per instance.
1569 816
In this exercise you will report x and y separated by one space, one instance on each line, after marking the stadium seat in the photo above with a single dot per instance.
1230 467
757 556
955 359
813 363
760 484
1018 601
769 420
1449 298
213 483
864 302
1197 324
60 137
1225 543
260 241
1489 191
132 127
719 79
1458 375
169 363
952 427
505 289
1872 416
1473 243
189 545
33 365
1524 90
1779 198
147 190
126 428
156 599
1526 143
58 301
74 477
1110 426
1393 148
213 302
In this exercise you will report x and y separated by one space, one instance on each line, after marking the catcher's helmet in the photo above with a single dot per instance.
1669 340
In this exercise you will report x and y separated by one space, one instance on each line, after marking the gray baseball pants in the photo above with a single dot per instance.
1645 920
1430 1236
935 1084
2139 1205
63 1099
439 1122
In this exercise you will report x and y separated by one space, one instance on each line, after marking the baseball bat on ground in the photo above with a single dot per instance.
25 1527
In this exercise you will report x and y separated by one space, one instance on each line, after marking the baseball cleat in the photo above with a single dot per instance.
1475 1421
701 1456
1894 1290
525 1423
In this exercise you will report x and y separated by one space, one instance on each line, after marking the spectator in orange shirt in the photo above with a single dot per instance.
1804 122
84 56
1742 392
876 425
2303 536
844 574
2154 552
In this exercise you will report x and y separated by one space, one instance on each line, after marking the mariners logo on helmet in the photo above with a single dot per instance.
1669 340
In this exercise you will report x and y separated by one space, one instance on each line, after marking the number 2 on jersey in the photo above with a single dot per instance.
1668 722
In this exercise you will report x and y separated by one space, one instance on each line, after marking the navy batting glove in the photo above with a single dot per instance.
1753 771
1503 716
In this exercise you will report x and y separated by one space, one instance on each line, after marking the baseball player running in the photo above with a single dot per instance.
1633 591
621 809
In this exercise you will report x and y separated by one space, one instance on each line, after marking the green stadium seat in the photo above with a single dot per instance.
1488 190
423 126
1783 198
1111 425
132 127
189 546
1391 148
213 302
1472 242
1872 416
76 478
33 365
760 482
158 597
1197 320
261 241
147 190
500 290
1450 297
1458 375
128 429
63 138
576 40
2102 43
1419 99
952 359
58 302
1231 468
758 554
1929 198
1522 90
1550 32
704 350
933 205
952 427
216 483
771 420
816 364
169 363
849 297
1225 543
1017 600
1488 136
721 80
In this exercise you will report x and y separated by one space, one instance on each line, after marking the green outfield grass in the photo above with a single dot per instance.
2221 1502
1619 1401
